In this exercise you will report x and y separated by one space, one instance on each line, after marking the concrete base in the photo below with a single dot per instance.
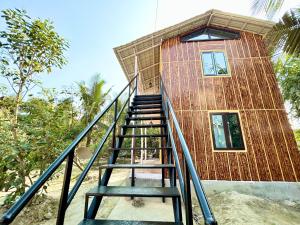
278 191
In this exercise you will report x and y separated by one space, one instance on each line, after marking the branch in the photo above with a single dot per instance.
12 86
27 90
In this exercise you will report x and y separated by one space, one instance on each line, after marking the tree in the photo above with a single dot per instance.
288 76
92 98
285 35
28 47
267 7
47 124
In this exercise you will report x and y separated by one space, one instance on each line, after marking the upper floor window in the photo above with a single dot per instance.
226 130
210 34
214 63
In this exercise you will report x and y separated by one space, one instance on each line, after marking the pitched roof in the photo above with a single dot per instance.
147 48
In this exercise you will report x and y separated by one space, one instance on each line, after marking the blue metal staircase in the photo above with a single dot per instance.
156 108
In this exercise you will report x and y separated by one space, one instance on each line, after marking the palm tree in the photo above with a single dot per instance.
285 35
92 98
267 7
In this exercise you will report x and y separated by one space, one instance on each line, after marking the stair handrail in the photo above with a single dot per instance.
189 167
68 154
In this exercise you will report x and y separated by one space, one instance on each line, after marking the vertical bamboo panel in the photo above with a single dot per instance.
271 152
200 148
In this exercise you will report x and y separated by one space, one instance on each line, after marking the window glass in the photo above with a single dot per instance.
214 37
210 34
218 130
226 131
207 62
200 37
214 63
220 63
235 131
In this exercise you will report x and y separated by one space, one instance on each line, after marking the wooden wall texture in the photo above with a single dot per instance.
271 153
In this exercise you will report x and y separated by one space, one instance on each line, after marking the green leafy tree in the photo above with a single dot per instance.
288 76
28 47
285 35
46 126
93 97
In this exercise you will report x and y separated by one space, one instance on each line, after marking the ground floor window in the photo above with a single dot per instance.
226 131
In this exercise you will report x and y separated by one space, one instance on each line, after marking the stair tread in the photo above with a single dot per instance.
146 106
141 166
134 191
142 135
147 102
129 149
146 112
125 222
144 125
148 96
146 118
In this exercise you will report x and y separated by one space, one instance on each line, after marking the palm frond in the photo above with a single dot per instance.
266 7
93 97
285 34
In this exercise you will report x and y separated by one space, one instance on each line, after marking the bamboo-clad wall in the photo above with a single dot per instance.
271 152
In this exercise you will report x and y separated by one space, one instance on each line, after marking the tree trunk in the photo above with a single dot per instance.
16 111
20 155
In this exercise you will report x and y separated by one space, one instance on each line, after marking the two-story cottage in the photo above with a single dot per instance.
219 77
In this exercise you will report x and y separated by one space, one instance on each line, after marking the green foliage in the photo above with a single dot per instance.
93 98
297 135
285 35
46 127
32 45
27 47
288 76
268 7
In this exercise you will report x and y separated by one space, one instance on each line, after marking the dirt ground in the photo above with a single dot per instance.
230 207
236 208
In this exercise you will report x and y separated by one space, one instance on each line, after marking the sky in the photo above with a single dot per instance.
94 27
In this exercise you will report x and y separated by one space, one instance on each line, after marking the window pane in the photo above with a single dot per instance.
235 131
210 33
218 131
214 37
199 38
220 63
207 62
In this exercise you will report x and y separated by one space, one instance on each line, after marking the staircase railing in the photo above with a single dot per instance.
189 170
67 155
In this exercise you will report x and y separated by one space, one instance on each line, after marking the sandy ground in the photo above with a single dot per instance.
230 206
236 208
